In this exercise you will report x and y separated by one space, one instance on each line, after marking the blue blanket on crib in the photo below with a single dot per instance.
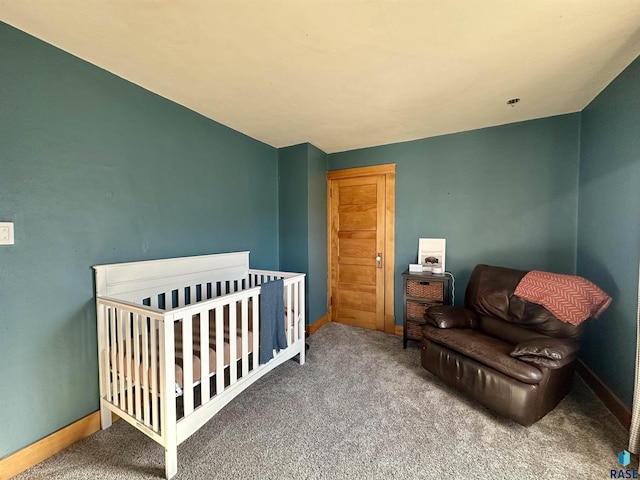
272 334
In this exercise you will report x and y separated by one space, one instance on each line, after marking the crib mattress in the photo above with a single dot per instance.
129 364
212 354
196 359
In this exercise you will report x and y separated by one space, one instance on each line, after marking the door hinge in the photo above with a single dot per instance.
331 300
331 192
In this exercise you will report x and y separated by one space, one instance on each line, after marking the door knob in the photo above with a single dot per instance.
379 260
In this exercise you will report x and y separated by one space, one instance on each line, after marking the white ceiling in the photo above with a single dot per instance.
351 73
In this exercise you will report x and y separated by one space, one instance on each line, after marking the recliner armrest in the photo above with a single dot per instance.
448 316
546 362
546 351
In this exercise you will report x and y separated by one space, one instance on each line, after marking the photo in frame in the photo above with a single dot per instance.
431 253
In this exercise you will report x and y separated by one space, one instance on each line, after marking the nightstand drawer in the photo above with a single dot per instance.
416 309
414 330
425 289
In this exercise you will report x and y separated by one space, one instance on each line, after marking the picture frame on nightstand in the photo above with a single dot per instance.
432 253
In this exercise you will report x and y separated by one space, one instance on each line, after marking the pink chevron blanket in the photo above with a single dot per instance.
570 298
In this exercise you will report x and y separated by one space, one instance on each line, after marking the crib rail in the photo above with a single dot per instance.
241 316
199 342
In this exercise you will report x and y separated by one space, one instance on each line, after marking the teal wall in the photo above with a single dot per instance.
608 248
303 220
96 170
504 195
293 208
318 269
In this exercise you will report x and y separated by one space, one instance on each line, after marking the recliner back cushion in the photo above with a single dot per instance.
490 293
540 319
506 331
490 289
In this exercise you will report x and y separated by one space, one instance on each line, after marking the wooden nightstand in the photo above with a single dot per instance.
421 291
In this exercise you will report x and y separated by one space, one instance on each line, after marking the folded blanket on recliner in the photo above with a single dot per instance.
570 298
272 334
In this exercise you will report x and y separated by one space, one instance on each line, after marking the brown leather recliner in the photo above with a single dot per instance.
510 355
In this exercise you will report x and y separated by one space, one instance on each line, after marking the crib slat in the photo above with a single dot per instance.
136 365
128 361
256 330
301 314
146 397
204 355
180 297
167 385
233 344
219 350
296 306
296 318
153 397
244 319
187 363
121 358
119 350
289 316
298 334
113 381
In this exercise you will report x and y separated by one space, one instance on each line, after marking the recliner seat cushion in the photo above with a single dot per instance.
549 347
486 350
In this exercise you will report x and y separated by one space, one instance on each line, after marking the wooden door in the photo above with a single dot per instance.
358 250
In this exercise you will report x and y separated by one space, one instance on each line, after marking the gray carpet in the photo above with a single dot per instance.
361 407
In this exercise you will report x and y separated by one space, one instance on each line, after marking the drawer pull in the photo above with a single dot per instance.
425 283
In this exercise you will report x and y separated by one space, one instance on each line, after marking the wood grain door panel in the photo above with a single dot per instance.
362 274
364 301
358 217
358 194
357 237
355 244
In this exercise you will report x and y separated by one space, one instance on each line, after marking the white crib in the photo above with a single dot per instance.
161 322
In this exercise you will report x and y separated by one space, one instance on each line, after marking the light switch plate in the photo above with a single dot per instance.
6 233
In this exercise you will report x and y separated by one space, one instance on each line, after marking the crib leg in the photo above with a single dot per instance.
105 417
301 355
170 462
